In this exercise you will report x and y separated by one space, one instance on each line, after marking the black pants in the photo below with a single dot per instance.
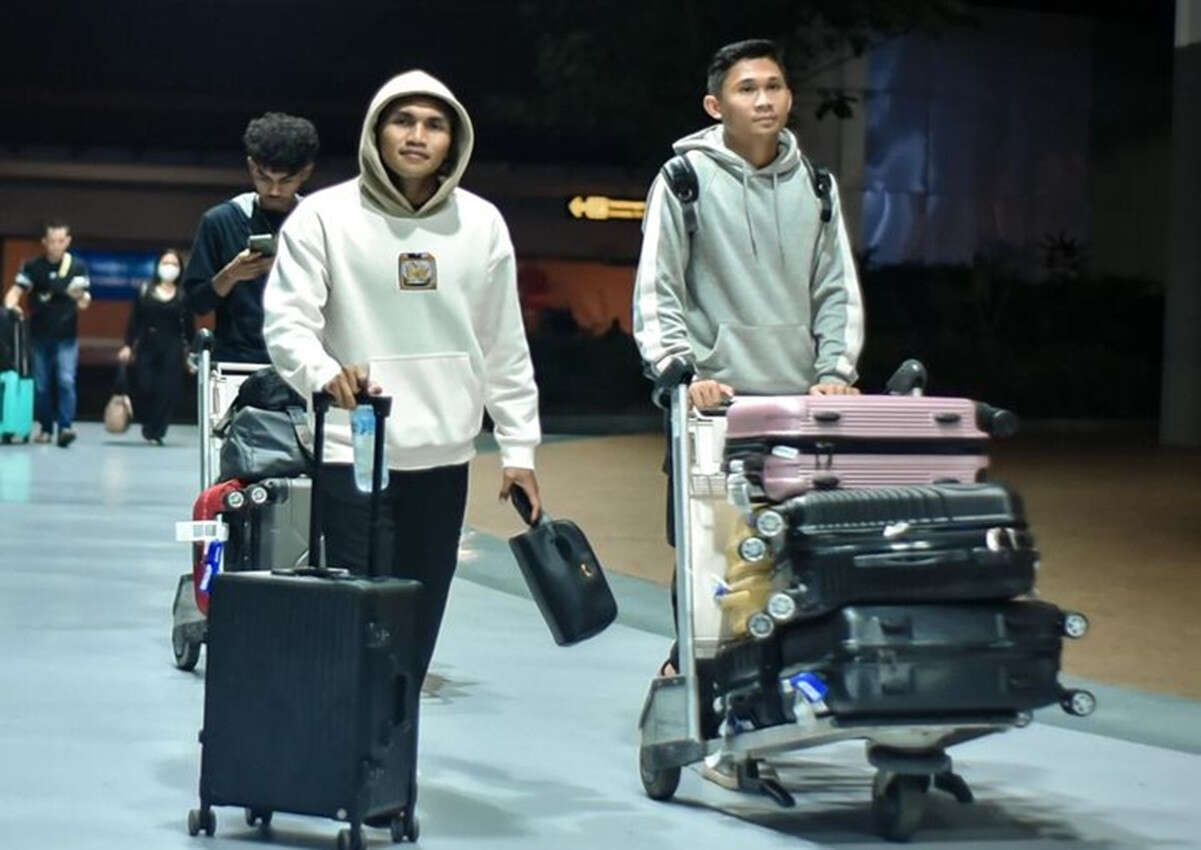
159 370
421 520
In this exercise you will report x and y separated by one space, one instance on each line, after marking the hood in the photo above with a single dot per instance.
373 176
711 142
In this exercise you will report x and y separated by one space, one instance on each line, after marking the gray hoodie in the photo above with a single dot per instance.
763 296
426 297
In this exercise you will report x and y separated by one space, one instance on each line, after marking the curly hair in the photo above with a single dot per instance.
281 142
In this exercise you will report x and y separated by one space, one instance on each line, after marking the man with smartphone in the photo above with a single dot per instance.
235 243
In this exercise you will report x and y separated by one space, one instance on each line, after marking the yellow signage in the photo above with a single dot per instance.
600 208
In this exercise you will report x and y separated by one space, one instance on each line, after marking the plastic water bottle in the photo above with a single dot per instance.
362 430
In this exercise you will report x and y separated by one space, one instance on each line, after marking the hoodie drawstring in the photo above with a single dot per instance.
746 209
775 193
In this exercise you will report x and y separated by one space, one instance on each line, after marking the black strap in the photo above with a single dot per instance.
682 180
823 182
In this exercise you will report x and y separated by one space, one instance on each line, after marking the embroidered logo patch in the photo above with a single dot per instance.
418 271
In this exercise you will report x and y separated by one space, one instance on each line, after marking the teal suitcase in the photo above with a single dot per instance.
16 385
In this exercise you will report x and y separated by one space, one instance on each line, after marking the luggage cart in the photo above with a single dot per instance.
217 385
678 727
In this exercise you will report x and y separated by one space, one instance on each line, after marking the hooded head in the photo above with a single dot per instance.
376 181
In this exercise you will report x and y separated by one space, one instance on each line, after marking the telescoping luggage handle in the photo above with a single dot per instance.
381 406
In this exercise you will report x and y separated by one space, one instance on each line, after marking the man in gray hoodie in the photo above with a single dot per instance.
749 279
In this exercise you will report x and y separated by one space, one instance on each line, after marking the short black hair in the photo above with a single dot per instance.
281 142
726 57
55 224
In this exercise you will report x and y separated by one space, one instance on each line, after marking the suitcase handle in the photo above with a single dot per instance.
913 559
382 407
826 416
947 417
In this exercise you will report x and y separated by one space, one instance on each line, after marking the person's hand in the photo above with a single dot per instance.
247 265
348 383
833 389
125 355
708 394
16 308
524 478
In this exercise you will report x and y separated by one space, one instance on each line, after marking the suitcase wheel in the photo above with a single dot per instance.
199 819
660 784
898 803
1075 625
261 817
405 827
1079 703
187 652
351 839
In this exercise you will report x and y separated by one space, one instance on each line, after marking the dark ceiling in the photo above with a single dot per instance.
599 81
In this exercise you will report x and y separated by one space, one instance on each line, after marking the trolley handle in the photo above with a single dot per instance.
677 371
203 341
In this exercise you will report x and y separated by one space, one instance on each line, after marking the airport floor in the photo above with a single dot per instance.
524 744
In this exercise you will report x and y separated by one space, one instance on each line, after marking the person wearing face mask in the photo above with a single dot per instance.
156 341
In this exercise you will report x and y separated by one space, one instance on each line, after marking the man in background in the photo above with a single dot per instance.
224 274
57 284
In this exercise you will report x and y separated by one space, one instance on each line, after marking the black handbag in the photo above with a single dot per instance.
563 575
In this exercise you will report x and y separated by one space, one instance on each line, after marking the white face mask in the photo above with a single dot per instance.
168 272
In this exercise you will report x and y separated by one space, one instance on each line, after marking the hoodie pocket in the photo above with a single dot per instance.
437 400
760 358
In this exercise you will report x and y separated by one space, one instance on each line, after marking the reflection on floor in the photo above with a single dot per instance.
524 745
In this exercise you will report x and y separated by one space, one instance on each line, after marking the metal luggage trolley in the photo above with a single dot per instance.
676 730
217 385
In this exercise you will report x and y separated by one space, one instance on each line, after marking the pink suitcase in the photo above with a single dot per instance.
791 444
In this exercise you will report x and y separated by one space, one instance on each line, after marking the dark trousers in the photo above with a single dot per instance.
159 370
421 520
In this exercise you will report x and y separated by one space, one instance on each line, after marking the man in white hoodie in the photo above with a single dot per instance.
747 274
400 282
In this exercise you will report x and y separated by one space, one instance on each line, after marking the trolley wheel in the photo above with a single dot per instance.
199 819
898 803
261 817
660 783
350 839
187 653
405 827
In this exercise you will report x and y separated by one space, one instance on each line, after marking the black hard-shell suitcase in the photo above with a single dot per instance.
311 692
896 661
940 542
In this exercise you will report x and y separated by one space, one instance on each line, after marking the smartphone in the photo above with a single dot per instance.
262 243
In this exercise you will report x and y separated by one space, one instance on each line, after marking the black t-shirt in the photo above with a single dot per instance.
158 325
52 311
238 335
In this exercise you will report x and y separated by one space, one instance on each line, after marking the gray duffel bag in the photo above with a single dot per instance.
265 444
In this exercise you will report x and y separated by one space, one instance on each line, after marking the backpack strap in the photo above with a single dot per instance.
822 183
681 179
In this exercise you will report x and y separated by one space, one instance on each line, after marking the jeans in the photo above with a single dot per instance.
55 361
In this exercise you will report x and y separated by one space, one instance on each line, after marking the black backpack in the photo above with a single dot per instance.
682 180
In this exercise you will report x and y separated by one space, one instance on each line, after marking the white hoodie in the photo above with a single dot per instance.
426 297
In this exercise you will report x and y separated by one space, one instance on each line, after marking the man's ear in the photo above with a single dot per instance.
712 106
306 172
